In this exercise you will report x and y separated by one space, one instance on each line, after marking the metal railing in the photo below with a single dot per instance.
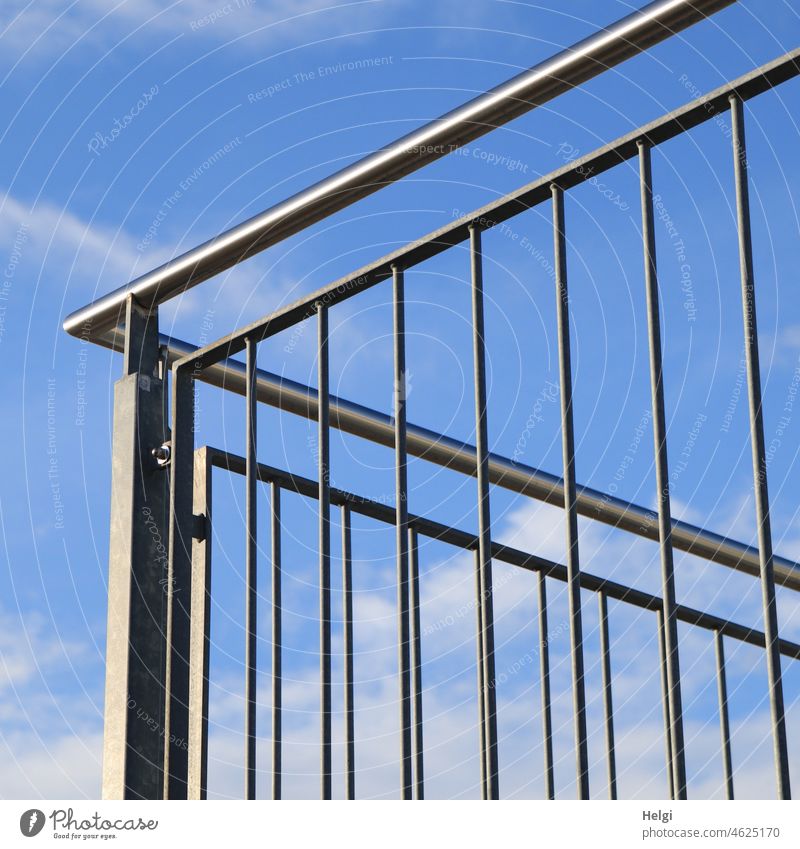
279 481
168 644
629 36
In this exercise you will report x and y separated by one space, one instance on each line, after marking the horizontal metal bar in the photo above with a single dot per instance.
462 539
378 427
545 81
574 173
526 480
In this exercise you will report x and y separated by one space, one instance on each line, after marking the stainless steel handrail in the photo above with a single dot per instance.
543 82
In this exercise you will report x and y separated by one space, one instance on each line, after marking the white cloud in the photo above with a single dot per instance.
62 767
89 259
29 648
50 711
84 251
52 26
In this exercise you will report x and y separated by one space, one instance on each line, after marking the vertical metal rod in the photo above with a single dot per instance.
480 669
323 436
349 705
277 645
484 517
570 496
251 509
662 654
401 529
724 724
605 652
769 605
416 664
662 472
544 669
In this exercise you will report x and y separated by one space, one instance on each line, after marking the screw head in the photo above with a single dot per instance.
162 454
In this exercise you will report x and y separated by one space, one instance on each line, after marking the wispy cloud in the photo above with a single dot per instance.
50 26
28 649
50 711
66 766
86 259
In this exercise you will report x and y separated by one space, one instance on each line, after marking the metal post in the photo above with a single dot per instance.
133 758
769 606
179 585
200 628
570 496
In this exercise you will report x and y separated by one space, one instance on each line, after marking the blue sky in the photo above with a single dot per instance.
134 131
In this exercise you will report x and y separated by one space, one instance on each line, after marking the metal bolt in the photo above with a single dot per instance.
162 454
